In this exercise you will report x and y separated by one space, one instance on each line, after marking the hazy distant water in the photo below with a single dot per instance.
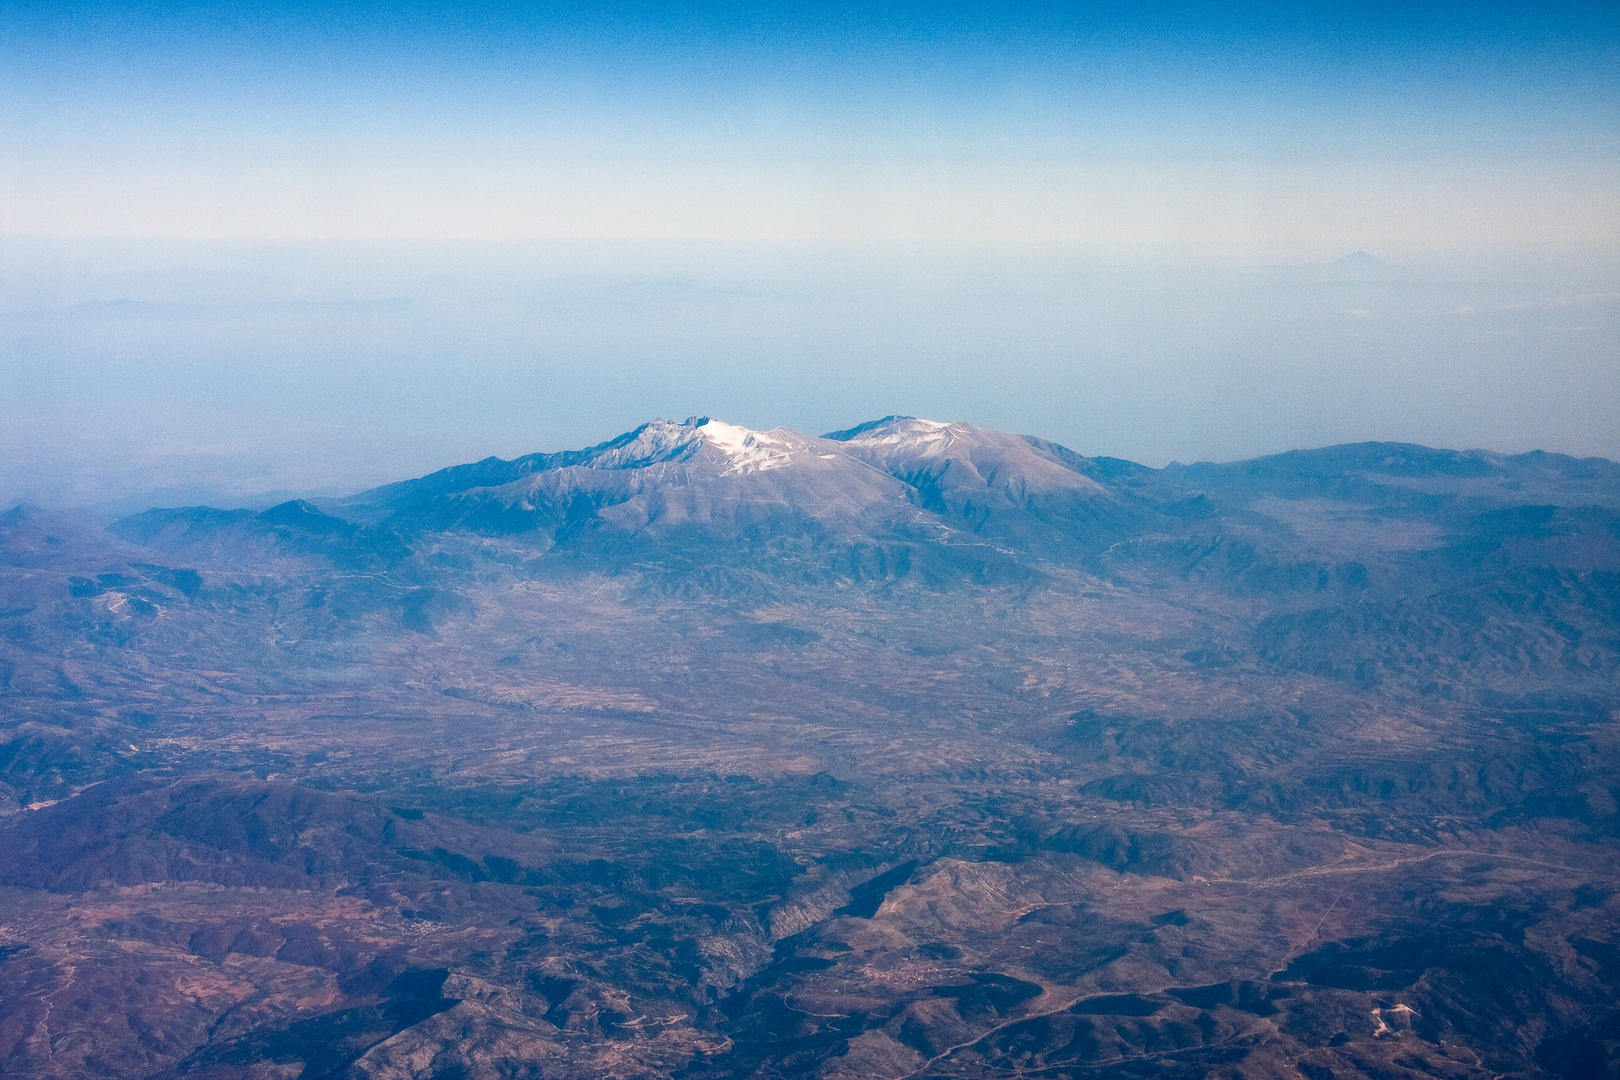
172 373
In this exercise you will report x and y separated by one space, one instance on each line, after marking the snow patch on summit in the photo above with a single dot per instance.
748 450
654 443
928 437
662 441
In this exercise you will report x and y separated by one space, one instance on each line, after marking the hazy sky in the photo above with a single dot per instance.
292 247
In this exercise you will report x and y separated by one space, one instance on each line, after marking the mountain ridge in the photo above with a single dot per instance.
665 442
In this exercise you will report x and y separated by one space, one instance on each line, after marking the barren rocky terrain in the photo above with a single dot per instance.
911 751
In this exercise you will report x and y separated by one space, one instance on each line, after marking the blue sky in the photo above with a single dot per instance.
1318 125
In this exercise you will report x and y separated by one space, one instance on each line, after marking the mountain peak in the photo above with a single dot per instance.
650 444
897 431
659 441
928 437
749 450
1359 260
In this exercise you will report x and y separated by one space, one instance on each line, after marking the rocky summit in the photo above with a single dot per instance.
911 750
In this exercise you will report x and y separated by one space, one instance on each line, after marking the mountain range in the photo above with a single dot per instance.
914 749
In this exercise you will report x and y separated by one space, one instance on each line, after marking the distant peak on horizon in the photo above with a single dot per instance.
1359 265
1359 259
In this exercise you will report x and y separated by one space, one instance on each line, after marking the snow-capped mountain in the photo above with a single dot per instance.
662 475
898 473
966 470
